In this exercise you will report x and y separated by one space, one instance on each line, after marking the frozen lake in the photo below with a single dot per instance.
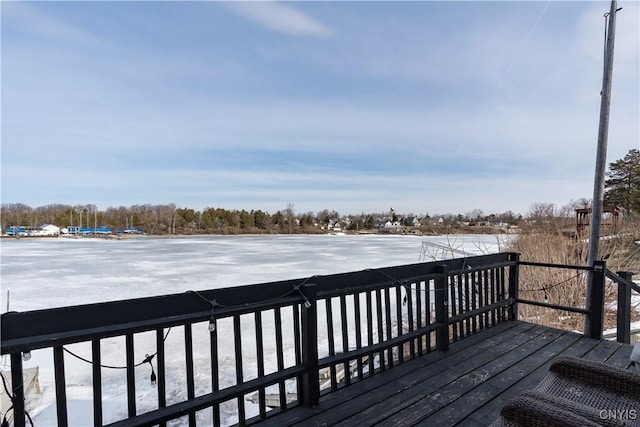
46 273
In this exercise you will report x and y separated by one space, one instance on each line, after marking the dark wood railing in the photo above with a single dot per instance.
625 287
278 344
595 308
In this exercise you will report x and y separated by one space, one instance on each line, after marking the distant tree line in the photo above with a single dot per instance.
622 188
170 219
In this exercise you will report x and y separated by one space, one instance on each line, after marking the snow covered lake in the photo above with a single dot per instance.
47 273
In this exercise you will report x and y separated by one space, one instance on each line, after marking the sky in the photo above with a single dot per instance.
424 106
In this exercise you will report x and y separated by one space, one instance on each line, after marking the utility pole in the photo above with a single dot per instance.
601 154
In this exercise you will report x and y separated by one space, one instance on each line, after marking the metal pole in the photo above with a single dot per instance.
601 155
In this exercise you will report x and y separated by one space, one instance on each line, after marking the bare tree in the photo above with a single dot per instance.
290 215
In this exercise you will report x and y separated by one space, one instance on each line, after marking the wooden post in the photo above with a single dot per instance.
601 152
442 308
623 330
311 379
596 302
514 277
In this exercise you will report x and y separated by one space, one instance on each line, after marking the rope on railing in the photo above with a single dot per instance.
147 359
394 280
212 325
295 288
555 285
403 282
214 303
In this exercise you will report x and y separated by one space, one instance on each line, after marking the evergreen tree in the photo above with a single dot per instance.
622 186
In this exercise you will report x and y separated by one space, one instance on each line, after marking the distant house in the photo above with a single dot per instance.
50 230
380 222
412 221
392 227
336 225
439 221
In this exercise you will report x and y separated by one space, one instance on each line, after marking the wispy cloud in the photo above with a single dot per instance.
30 19
280 17
199 105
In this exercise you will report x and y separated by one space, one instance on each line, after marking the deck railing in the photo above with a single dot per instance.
594 309
277 344
623 279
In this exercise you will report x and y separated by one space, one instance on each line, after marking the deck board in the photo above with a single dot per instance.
467 385
620 359
490 411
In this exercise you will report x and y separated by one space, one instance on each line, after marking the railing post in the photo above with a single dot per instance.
311 379
623 330
442 308
60 386
17 389
514 279
596 303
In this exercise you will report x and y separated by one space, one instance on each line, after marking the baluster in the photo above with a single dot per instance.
260 356
477 320
409 297
487 289
161 379
494 295
429 285
358 320
442 309
370 328
331 340
17 388
280 355
467 302
452 305
380 327
215 373
311 380
97 382
399 321
188 351
461 308
419 312
131 376
237 334
501 281
297 346
345 337
387 320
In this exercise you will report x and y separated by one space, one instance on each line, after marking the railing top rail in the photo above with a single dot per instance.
566 266
135 315
616 278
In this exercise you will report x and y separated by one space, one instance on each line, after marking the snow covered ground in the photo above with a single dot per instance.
46 273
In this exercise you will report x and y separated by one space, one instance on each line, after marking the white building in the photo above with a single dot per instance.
46 230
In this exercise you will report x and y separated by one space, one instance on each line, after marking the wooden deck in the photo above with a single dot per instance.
467 385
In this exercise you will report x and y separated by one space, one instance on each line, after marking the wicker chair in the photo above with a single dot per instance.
577 393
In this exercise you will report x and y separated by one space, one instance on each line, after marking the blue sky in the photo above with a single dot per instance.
429 107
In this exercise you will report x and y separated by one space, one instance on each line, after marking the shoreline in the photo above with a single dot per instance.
448 231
